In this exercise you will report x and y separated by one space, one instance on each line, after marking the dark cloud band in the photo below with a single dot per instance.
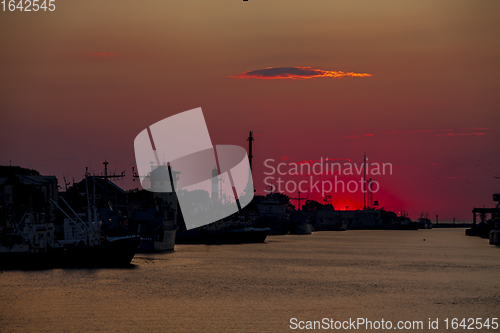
295 73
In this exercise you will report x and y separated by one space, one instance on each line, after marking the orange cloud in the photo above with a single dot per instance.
295 73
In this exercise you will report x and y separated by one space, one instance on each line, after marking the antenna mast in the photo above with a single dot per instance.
250 155
364 181
65 182
107 177
299 198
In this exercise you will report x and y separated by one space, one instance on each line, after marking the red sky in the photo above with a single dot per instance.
78 84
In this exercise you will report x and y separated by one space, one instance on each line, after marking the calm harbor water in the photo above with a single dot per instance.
394 275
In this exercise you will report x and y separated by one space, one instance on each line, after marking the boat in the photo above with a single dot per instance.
337 225
237 231
299 224
424 221
272 213
32 243
34 247
403 222
407 226
228 236
483 229
162 241
157 233
495 234
276 225
328 219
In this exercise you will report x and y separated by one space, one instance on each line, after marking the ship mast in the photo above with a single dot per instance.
107 177
364 180
299 198
250 156
370 194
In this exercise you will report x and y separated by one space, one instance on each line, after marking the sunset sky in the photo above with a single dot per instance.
78 84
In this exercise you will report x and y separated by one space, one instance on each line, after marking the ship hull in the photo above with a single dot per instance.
331 227
229 236
412 226
153 245
113 252
301 228
278 228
